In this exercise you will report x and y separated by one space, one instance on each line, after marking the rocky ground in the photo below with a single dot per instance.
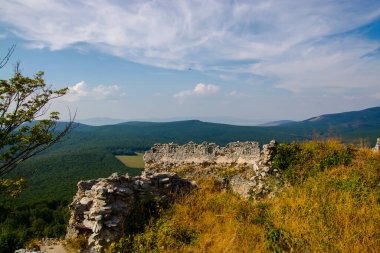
48 245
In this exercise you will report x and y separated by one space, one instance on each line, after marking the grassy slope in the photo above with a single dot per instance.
334 209
132 161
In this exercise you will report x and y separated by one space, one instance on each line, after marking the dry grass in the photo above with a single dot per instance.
335 209
75 244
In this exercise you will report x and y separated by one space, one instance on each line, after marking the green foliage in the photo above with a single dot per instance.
12 187
286 156
300 161
277 240
55 176
21 224
23 100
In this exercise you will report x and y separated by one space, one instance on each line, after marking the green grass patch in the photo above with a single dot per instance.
132 161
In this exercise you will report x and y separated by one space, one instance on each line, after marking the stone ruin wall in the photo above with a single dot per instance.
166 156
240 166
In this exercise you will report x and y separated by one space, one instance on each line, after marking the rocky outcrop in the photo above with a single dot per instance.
101 208
241 166
377 146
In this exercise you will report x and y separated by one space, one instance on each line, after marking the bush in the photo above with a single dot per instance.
300 161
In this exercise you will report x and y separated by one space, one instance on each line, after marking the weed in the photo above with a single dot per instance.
277 240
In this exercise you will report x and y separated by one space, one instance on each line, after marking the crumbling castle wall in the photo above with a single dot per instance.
171 155
101 208
240 166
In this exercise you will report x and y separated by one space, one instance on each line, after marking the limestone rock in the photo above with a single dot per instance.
377 146
101 208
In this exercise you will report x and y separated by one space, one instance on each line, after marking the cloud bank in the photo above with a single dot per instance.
297 45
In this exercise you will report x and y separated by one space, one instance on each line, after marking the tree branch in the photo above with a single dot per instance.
6 58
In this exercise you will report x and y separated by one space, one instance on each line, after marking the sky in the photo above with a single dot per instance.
241 62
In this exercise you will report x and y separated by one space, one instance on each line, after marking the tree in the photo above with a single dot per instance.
23 100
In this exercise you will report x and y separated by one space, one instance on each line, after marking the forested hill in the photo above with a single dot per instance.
355 119
88 152
349 126
142 135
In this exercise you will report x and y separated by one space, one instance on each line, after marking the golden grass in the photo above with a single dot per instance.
132 161
334 210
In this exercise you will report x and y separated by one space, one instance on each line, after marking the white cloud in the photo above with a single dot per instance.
81 91
283 36
203 89
331 66
199 90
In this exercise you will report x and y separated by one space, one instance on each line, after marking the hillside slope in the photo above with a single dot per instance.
89 150
331 204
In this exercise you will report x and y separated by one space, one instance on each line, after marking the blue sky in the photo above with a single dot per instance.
248 60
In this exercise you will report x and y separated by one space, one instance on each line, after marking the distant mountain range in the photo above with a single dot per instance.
344 119
354 119
88 152
349 126
101 121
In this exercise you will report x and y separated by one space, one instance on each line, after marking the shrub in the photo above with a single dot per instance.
300 161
